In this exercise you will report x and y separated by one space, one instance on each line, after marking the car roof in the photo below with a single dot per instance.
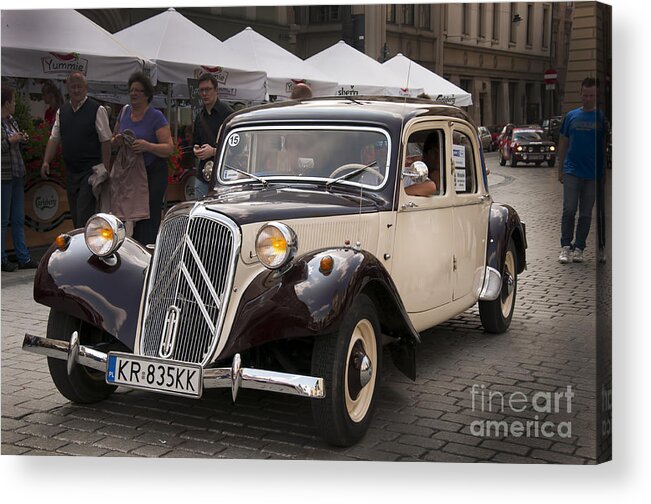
385 110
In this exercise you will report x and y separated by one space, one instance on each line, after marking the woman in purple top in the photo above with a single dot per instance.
154 142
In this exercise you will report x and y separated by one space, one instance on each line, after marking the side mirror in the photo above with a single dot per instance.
418 171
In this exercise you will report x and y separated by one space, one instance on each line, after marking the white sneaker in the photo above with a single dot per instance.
577 255
565 256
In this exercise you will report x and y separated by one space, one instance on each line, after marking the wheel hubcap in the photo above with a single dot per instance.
360 375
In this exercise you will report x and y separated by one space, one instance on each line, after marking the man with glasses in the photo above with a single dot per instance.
82 127
206 127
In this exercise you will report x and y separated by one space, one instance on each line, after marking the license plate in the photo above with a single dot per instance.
536 156
170 377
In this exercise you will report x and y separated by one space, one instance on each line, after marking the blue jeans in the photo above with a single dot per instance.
13 212
578 194
200 188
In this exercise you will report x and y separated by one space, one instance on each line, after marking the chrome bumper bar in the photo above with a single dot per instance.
235 377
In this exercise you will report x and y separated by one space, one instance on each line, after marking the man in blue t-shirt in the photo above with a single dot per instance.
581 148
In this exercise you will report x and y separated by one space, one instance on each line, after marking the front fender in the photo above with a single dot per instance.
303 301
76 282
504 225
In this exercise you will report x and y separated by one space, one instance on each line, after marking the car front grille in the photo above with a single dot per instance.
189 287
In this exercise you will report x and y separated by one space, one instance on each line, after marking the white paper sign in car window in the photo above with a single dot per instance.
459 158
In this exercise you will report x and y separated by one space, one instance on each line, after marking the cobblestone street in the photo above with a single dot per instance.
453 412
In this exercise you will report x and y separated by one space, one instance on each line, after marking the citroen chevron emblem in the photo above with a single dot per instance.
170 330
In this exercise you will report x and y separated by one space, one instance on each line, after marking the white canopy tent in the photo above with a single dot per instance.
182 50
439 89
283 68
50 44
359 74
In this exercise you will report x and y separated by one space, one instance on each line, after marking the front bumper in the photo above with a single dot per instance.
534 157
235 377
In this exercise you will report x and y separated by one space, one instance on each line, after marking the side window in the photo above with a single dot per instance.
463 156
427 146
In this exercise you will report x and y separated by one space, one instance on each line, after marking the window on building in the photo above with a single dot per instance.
530 21
513 26
325 14
445 18
391 13
465 84
408 14
481 21
496 21
425 16
546 26
465 19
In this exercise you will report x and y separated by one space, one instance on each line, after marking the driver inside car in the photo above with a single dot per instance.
432 158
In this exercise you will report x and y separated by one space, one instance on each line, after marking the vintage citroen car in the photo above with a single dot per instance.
306 260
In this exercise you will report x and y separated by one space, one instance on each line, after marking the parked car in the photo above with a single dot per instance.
485 138
526 145
304 260
552 128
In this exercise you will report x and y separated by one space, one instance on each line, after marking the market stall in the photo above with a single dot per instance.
283 69
438 88
47 45
359 74
183 50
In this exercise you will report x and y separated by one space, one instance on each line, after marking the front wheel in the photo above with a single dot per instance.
496 315
82 385
551 163
350 364
513 163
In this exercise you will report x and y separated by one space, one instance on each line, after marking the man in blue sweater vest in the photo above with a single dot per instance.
581 152
82 127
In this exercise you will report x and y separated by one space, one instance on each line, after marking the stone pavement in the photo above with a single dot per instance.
471 386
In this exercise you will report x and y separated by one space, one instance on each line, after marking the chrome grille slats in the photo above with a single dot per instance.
163 291
193 270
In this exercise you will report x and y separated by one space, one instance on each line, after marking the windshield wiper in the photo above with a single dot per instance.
351 174
259 179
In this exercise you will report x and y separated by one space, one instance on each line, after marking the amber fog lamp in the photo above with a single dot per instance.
62 241
104 234
276 245
326 264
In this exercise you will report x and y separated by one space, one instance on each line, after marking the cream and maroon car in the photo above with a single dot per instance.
303 264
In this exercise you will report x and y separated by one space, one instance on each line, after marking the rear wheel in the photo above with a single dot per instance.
496 315
350 364
82 385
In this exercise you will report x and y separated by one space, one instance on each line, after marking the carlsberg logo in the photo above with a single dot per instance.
449 99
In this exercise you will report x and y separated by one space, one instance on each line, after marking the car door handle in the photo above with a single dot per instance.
409 204
484 197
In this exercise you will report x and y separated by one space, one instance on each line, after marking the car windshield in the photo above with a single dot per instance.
302 153
528 136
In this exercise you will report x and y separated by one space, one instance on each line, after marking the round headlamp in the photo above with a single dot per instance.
275 245
552 148
104 234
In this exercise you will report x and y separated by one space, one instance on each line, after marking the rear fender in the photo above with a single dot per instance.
504 225
76 282
304 301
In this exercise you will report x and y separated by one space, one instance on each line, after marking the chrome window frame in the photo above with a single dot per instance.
241 129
